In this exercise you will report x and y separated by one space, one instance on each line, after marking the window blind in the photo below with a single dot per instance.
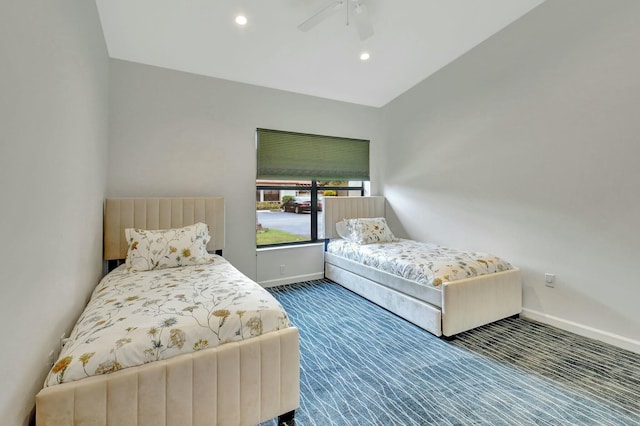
287 155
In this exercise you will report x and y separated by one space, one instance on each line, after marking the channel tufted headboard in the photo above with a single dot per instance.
338 208
159 213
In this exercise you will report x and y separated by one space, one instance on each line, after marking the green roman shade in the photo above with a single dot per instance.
286 155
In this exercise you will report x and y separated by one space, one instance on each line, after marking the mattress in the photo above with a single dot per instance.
136 318
335 264
427 264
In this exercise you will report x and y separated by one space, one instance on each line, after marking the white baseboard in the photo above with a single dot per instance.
291 280
582 330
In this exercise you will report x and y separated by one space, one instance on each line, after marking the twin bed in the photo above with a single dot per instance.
175 335
178 336
443 291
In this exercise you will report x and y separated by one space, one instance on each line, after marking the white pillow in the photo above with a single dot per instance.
369 230
342 230
167 248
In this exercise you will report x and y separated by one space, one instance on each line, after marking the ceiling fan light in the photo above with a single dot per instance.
241 20
364 56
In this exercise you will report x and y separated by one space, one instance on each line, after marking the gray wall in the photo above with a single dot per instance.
53 146
527 146
179 134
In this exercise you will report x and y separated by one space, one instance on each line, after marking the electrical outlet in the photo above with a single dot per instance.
281 269
550 280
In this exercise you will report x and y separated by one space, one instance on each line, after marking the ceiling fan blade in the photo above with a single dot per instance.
363 22
321 15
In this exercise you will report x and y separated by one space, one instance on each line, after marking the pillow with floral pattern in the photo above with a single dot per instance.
369 230
167 248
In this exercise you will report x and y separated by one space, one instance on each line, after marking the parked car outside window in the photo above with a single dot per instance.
299 205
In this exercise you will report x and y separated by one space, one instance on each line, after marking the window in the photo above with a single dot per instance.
295 173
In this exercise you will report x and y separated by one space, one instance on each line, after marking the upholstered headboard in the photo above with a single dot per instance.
338 208
159 213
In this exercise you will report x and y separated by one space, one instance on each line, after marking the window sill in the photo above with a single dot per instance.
290 246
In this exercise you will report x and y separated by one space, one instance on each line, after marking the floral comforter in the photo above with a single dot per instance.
138 317
425 263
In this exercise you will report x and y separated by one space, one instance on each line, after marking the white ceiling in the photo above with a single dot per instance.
412 40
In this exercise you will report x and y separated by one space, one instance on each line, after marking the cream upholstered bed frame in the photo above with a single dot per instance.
461 305
238 383
159 213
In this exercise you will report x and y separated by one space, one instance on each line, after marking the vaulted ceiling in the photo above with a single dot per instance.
412 39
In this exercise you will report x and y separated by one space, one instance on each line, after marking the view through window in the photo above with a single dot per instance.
286 214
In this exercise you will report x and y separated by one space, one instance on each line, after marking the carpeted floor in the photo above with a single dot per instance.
362 365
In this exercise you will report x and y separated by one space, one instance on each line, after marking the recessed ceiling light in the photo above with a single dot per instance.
364 56
241 20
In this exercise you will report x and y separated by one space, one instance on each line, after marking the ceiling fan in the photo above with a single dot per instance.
356 10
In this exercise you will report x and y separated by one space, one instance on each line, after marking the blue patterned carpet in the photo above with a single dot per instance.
362 365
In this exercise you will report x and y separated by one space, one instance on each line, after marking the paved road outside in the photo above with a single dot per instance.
298 224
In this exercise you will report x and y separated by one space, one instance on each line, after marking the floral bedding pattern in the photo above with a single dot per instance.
367 230
135 318
167 248
425 263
